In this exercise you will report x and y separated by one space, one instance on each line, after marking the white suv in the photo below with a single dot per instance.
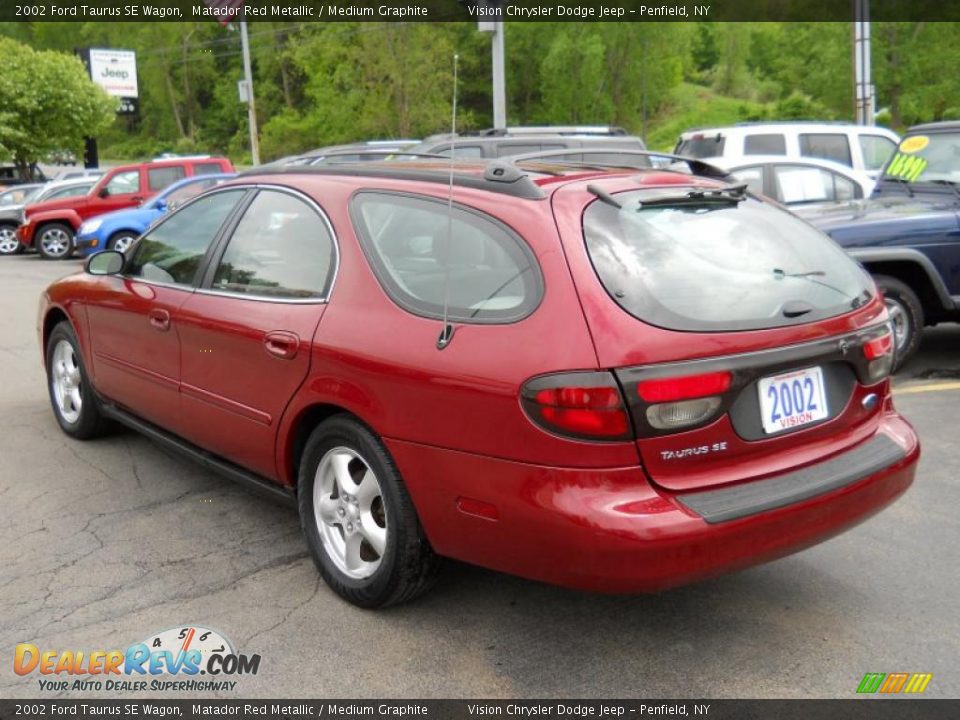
862 147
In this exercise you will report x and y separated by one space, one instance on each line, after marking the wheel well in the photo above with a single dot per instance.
917 279
52 319
305 425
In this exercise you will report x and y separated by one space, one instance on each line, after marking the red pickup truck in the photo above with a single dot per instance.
50 226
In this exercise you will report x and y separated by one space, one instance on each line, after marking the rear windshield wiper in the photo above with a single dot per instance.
732 194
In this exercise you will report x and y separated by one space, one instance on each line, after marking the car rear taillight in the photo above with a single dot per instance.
879 353
582 405
679 402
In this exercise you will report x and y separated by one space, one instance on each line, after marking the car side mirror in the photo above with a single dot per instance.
161 205
108 262
104 193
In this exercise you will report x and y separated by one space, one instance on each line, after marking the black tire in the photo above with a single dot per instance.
907 315
9 242
44 244
89 422
408 565
123 237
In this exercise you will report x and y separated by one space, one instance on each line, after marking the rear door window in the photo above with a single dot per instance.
798 184
693 264
826 146
765 144
208 168
425 257
281 248
161 177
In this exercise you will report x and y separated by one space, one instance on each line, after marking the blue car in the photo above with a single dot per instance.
118 230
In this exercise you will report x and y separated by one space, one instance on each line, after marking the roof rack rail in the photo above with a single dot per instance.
697 167
612 130
498 176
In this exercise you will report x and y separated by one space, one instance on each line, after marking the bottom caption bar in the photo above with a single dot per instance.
859 709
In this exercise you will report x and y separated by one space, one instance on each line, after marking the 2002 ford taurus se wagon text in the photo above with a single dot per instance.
617 380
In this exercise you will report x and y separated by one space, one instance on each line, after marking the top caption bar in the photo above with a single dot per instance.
463 10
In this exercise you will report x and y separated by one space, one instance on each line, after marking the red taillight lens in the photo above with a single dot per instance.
580 405
684 388
879 352
878 347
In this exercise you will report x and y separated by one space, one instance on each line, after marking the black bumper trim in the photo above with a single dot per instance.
716 506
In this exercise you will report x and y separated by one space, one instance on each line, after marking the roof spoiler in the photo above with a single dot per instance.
697 167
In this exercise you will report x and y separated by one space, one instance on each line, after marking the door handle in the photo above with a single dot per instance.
282 344
159 319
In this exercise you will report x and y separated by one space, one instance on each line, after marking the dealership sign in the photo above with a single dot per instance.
116 72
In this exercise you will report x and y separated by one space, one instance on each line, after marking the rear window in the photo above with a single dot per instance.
422 254
709 265
826 146
701 146
765 144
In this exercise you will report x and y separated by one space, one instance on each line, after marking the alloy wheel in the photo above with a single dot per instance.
900 320
55 242
350 513
65 379
8 240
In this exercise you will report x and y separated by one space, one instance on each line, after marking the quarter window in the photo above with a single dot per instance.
124 183
159 178
826 146
426 257
173 251
281 248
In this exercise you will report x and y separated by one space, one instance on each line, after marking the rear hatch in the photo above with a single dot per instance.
744 341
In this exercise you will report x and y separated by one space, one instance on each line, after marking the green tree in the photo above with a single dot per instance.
49 104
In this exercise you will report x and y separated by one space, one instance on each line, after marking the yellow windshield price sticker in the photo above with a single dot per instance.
914 144
908 167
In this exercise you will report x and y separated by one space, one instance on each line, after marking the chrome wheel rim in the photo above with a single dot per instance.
350 514
8 241
900 322
123 242
65 381
55 242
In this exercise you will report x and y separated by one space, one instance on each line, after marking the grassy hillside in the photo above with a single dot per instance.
693 106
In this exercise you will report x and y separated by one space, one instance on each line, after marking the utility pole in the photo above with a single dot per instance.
248 91
863 92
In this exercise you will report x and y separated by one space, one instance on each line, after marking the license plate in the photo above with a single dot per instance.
792 400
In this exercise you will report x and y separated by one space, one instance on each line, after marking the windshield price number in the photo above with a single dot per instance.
792 400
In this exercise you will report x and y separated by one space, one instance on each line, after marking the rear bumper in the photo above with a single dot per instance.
609 530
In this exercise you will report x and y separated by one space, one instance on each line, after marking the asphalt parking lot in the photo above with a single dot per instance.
107 542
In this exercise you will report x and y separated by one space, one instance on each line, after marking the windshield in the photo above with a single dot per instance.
685 262
926 158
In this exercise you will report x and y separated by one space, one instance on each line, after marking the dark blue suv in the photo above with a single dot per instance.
907 234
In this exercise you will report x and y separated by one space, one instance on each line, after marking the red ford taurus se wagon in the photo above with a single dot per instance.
616 380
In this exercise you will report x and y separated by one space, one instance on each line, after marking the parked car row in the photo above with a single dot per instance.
49 219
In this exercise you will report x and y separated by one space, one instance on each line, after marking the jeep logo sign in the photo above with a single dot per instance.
115 71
